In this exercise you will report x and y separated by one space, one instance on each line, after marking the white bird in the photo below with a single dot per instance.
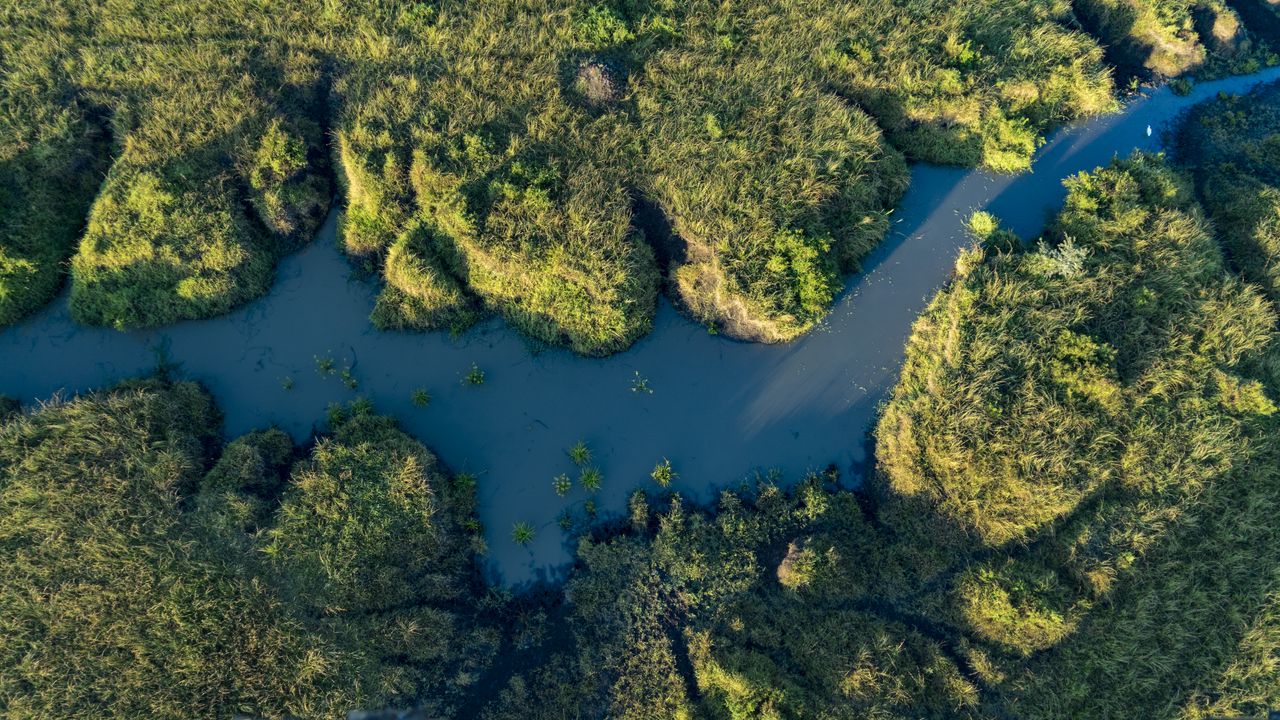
1148 131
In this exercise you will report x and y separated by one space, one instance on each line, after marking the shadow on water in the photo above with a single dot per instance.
719 409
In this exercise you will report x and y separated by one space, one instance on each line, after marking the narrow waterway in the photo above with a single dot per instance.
720 410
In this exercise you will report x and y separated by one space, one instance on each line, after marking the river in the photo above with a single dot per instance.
720 410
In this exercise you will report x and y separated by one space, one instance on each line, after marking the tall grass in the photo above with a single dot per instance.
140 582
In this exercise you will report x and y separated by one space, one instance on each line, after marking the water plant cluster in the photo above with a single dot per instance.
550 162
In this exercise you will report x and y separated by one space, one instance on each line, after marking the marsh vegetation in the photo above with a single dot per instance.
513 158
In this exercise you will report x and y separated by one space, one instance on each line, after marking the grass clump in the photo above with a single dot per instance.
420 397
169 236
590 479
1232 145
172 587
522 533
580 453
663 474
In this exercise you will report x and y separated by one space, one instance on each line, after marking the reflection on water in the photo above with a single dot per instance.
720 410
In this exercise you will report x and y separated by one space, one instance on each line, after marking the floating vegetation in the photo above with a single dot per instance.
580 454
663 474
522 533
640 384
420 397
562 484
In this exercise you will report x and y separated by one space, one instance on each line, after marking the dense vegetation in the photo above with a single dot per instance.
1232 146
1071 518
1073 515
1167 38
547 161
142 579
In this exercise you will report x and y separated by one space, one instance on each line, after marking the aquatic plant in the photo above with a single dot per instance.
420 397
562 484
474 376
640 384
590 478
325 365
522 533
580 454
663 474
349 379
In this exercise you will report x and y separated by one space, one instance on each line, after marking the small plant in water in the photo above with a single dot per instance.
475 376
640 384
348 379
590 479
566 521
580 454
522 533
589 507
420 398
287 382
662 473
562 484
324 365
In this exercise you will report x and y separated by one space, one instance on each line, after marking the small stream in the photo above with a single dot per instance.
720 410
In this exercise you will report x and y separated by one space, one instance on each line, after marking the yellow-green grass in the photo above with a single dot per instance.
511 140
1232 145
140 582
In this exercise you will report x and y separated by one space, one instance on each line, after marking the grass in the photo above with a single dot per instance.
580 453
590 479
420 397
491 157
522 533
1170 38
474 376
663 474
181 578
1233 146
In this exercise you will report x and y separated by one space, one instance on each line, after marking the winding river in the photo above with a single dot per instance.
720 410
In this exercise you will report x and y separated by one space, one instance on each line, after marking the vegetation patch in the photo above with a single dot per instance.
144 579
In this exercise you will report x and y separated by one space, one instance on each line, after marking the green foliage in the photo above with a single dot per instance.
138 585
474 376
580 454
522 533
1233 147
562 484
1167 38
420 397
663 474
590 479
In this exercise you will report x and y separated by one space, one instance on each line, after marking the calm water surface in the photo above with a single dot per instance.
720 410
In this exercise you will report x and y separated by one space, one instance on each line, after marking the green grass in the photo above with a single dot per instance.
1233 146
1170 38
143 579
490 156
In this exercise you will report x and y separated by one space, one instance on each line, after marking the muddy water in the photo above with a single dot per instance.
721 411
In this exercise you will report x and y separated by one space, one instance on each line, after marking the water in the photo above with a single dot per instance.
719 410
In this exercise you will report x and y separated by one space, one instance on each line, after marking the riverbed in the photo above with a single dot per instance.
721 411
